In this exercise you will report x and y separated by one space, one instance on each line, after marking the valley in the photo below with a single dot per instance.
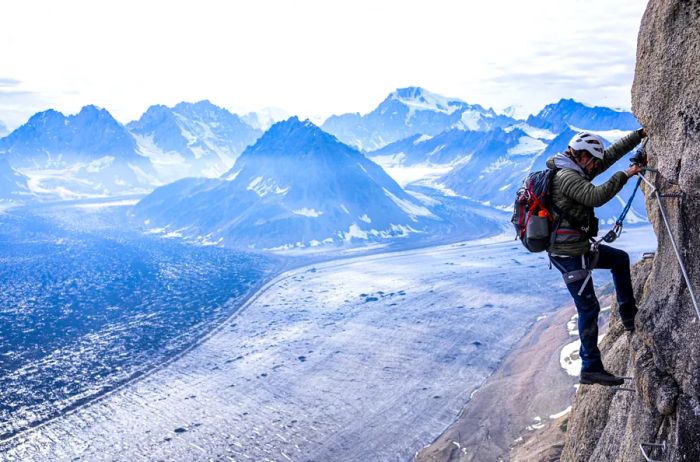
194 284
333 361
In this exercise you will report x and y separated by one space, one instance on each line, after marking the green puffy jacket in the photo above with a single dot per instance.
573 194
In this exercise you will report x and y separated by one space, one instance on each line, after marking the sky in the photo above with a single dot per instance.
312 58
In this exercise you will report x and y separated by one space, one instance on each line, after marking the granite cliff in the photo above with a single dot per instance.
663 356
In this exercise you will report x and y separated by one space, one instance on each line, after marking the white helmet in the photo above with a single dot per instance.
585 141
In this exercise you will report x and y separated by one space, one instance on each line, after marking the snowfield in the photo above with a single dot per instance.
368 358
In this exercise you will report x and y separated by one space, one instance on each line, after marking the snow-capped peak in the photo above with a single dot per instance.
91 110
516 111
417 98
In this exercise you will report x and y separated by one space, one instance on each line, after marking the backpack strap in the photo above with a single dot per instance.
553 237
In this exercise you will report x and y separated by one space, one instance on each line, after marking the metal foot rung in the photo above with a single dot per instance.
623 389
647 457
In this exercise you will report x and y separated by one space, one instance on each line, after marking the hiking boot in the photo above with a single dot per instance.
600 378
628 322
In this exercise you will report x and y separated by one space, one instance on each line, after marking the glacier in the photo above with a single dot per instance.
364 358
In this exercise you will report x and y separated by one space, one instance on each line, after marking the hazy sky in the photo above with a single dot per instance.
311 57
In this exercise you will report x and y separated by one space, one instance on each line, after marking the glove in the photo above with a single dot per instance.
642 133
640 157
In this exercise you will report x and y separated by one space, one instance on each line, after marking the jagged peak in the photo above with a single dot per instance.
572 103
295 131
409 92
156 108
515 111
49 114
293 123
86 111
91 109
294 136
155 114
93 113
203 110
198 105
184 106
420 98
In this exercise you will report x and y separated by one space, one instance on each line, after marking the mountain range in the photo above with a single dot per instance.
407 112
488 166
298 185
88 153
459 145
567 113
51 139
198 139
92 154
493 183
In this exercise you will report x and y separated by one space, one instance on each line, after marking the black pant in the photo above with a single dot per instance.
587 303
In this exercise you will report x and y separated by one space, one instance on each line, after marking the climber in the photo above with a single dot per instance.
574 198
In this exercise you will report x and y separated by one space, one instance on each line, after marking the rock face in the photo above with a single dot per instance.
663 355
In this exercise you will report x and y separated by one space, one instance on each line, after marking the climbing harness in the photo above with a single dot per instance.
586 270
662 209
